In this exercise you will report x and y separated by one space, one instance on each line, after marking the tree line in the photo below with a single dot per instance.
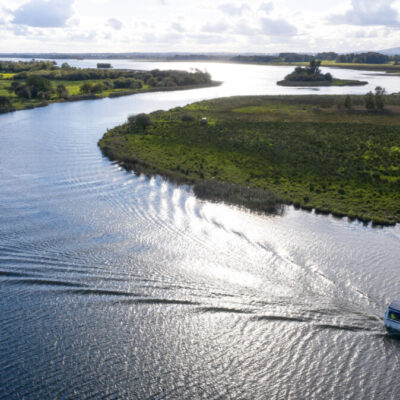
358 58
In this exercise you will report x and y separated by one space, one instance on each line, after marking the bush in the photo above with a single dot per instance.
140 120
380 97
369 101
97 88
187 118
62 91
86 88
348 103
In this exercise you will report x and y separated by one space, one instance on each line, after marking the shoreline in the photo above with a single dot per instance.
141 167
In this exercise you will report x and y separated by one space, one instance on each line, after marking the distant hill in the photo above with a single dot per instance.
391 52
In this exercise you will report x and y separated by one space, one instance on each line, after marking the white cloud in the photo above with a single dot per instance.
266 7
244 28
83 36
115 23
215 27
233 10
368 12
176 26
277 27
43 13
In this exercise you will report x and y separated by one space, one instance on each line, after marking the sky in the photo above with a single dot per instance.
255 26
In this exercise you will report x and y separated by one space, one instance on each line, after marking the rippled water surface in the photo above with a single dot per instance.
118 286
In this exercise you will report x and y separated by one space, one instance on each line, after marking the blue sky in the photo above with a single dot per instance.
194 26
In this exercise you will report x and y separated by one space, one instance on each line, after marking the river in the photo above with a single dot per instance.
116 286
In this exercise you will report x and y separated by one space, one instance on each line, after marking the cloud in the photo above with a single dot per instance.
210 38
44 13
115 23
218 27
176 26
368 12
233 10
243 28
83 36
277 27
266 7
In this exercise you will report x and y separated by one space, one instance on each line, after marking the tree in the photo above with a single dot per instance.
369 101
348 103
97 88
85 88
140 120
380 97
314 67
62 91
5 103
23 92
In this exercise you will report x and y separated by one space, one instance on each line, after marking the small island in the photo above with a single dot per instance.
312 76
334 154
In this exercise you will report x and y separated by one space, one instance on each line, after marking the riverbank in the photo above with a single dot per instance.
334 82
303 149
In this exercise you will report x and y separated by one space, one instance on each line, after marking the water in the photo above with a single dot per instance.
118 286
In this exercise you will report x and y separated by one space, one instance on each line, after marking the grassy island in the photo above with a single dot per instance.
302 149
312 76
31 84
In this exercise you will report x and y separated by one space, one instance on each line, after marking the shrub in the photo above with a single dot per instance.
141 120
187 118
348 103
97 88
369 101
380 97
85 88
62 91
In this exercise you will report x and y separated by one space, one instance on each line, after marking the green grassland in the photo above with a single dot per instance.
301 148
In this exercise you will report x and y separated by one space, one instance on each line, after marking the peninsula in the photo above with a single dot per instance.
308 151
33 84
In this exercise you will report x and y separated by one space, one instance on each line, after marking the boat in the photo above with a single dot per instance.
392 318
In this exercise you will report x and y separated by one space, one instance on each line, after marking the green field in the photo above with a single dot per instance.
302 148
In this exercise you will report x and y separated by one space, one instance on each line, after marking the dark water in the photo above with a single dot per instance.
117 286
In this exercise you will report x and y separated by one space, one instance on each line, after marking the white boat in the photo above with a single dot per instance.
392 318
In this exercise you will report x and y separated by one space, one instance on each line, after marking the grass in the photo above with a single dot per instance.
303 149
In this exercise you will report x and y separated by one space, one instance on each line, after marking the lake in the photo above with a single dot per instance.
115 286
